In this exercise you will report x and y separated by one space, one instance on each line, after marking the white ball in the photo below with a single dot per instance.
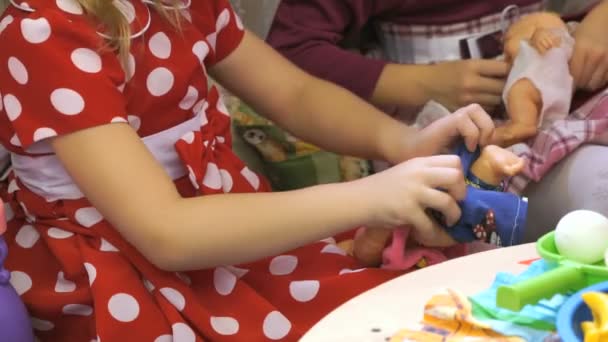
582 236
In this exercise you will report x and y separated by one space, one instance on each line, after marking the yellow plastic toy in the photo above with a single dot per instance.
596 331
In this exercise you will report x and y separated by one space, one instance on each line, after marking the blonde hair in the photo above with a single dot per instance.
118 29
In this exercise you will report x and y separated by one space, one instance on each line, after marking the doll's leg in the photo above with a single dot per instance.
370 244
496 163
525 104
348 246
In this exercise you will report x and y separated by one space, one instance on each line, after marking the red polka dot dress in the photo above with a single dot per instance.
79 278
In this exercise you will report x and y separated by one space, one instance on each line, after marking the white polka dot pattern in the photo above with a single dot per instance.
64 285
160 81
160 45
70 6
123 307
225 326
283 264
35 31
21 282
80 85
67 101
276 326
86 60
88 217
27 236
17 70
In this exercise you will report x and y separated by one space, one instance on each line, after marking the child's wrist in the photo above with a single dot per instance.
398 144
405 85
363 202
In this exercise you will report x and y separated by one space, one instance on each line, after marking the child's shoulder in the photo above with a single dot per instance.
39 21
214 11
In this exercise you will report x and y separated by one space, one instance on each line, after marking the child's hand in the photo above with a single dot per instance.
471 123
402 195
458 83
589 63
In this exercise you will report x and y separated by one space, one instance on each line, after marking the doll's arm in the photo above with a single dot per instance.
544 40
539 27
524 102
496 163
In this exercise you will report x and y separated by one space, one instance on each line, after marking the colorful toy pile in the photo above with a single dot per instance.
561 297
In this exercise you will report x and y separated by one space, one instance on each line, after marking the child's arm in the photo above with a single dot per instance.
329 116
589 63
454 84
120 177
309 33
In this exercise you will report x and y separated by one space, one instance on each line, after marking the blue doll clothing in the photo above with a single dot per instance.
488 213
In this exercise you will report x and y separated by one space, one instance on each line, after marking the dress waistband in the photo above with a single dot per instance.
46 176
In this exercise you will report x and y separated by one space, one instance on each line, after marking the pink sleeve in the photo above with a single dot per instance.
308 33
56 78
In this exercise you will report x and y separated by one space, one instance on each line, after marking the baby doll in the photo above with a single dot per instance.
539 87
484 174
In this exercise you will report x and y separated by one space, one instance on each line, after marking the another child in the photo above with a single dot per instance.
403 37
127 207
335 40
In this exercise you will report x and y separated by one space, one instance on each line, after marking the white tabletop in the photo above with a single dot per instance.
380 312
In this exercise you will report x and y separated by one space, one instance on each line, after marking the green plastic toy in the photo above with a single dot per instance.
567 277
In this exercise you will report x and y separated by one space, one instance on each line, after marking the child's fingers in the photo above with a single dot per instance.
484 124
470 133
491 68
489 85
599 76
442 161
432 234
447 178
442 202
421 221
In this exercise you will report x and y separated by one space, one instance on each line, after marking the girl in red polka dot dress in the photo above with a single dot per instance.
130 218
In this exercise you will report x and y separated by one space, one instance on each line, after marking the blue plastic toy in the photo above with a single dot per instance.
574 312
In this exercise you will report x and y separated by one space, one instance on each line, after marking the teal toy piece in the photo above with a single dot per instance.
569 276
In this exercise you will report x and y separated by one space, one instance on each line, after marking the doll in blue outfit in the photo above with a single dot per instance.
488 214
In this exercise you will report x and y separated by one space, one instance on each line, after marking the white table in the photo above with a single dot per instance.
380 312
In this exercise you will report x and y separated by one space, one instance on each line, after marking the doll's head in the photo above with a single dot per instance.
524 28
